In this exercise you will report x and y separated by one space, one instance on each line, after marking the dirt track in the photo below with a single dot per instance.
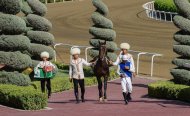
71 22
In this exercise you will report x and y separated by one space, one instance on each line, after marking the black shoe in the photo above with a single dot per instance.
82 99
125 98
129 97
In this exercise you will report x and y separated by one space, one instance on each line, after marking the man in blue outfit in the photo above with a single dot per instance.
126 75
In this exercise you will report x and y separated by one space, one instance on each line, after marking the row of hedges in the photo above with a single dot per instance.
26 98
61 81
169 90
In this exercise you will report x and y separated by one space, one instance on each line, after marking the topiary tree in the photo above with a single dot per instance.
102 30
40 38
12 44
181 74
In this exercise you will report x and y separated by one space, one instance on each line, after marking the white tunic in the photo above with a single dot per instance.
76 68
130 59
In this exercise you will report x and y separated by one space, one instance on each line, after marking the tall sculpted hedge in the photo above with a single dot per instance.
181 74
102 30
40 38
12 44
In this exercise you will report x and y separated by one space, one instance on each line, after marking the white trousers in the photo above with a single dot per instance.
126 84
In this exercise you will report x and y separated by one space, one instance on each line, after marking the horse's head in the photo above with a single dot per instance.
102 50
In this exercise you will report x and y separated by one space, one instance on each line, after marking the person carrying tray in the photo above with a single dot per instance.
44 71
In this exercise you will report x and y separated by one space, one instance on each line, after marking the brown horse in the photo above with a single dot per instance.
101 69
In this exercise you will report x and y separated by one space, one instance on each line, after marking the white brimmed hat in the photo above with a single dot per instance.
75 51
124 57
125 46
44 54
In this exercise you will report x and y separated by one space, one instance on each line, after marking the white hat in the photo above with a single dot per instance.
124 57
44 54
125 46
75 51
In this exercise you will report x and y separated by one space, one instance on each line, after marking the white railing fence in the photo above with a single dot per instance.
54 1
156 14
137 53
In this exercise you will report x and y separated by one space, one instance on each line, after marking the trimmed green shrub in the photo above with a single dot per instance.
101 7
104 34
15 60
14 42
37 7
181 74
26 8
61 81
182 37
101 21
14 78
37 49
94 53
10 6
182 50
102 30
26 98
165 5
111 46
12 24
39 23
169 90
40 37
183 7
181 62
182 23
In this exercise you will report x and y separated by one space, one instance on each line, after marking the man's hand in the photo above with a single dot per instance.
110 62
134 74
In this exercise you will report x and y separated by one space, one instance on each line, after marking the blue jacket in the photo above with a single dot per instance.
123 70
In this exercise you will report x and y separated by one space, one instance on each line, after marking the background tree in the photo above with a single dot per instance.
102 30
41 39
12 44
181 74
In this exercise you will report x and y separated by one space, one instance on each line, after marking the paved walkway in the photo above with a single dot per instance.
63 104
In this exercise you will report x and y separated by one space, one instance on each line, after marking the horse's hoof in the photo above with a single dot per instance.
101 99
105 100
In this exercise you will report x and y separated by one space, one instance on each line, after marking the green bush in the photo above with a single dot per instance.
10 6
12 24
95 53
101 21
37 7
39 23
61 82
165 5
182 50
111 46
15 60
182 37
26 98
36 49
181 76
183 7
101 7
104 34
40 37
169 90
14 42
26 9
14 78
182 23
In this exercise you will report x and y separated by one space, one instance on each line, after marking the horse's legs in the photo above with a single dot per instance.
100 87
105 88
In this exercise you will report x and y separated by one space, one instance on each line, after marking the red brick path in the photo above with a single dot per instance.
63 104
